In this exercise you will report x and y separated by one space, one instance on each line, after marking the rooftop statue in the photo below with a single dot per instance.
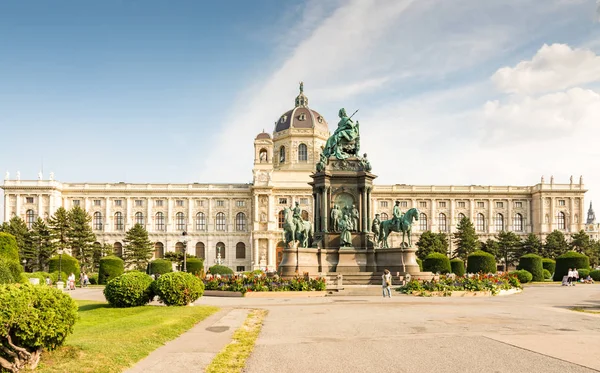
345 141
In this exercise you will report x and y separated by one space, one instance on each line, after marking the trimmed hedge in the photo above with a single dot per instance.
54 277
570 259
437 262
549 264
131 289
533 264
480 261
220 270
8 247
523 275
160 266
13 267
583 273
6 276
68 264
93 277
420 263
595 274
457 266
110 267
194 266
178 288
547 274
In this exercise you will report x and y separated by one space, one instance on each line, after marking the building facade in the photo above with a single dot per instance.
243 222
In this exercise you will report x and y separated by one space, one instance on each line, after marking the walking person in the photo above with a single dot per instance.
570 277
386 283
575 275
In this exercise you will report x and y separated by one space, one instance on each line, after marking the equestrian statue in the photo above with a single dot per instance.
295 228
400 223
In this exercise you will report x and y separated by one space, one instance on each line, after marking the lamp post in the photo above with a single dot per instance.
59 283
184 242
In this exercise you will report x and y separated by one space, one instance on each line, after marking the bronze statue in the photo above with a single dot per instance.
375 227
354 218
335 217
405 223
345 141
345 235
296 229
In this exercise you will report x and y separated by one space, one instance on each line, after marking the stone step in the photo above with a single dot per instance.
359 290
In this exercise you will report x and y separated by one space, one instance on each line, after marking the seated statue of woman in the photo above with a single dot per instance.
346 132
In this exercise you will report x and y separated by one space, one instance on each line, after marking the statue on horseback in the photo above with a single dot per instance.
295 228
399 223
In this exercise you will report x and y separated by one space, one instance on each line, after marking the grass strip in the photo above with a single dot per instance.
107 339
232 358
580 309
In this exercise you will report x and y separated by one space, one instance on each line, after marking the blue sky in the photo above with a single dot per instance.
468 91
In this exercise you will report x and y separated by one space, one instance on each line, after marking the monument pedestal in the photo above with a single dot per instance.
402 260
351 260
299 260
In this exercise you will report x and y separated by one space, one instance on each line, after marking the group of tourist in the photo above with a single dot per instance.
573 276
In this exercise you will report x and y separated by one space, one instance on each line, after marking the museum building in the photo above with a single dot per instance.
243 222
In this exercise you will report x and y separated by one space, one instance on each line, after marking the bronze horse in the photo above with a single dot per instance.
388 226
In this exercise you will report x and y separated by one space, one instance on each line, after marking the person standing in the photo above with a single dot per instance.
569 276
386 283
575 275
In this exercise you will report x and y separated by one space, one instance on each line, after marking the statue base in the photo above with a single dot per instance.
351 260
296 261
403 260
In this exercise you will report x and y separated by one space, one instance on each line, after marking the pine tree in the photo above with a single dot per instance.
60 225
509 245
138 249
430 242
100 251
580 242
493 247
17 227
555 245
81 237
41 242
465 239
532 245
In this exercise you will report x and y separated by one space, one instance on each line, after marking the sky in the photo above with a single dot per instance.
463 92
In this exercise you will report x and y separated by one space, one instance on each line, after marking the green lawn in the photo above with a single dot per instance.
111 339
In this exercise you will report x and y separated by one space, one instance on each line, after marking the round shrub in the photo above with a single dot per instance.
549 264
547 274
583 273
8 247
38 318
14 267
523 275
161 266
480 261
178 288
68 265
595 274
437 263
130 289
533 264
420 263
5 276
110 267
220 270
570 259
93 278
194 266
457 266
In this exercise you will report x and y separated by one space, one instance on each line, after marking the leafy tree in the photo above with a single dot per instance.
60 226
430 242
465 239
593 252
555 245
41 243
532 245
509 245
138 249
580 242
17 227
493 247
81 237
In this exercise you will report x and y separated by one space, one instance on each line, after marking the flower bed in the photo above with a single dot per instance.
446 285
261 283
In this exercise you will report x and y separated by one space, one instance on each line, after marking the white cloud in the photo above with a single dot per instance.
553 68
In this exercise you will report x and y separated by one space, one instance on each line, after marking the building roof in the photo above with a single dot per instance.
301 116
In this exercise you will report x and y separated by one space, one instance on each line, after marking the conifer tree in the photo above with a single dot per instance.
81 237
509 245
465 239
138 249
532 245
580 242
430 242
41 243
59 229
555 245
17 227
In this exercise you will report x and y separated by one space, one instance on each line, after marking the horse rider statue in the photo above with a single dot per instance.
295 228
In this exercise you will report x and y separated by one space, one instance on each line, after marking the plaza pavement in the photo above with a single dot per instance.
528 332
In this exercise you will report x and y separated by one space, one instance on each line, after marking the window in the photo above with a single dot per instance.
480 222
200 222
462 204
422 204
304 201
442 204
302 153
240 268
220 219
28 199
422 222
97 221
403 204
220 203
280 219
383 204
240 203
561 202
139 203
29 218
240 222
159 220
499 205
560 220
518 205
200 250
159 250
283 201
442 223
180 221
221 249
118 221
97 202
461 216
76 202
179 247
499 222
118 202
240 250
159 203
139 218
200 203
480 205
383 216
282 154
179 203
518 223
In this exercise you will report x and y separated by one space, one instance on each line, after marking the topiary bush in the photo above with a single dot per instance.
480 261
523 275
533 264
13 267
130 289
583 273
194 266
33 318
220 270
457 266
8 247
437 263
420 263
549 264
93 277
570 259
547 274
160 266
595 274
68 264
110 267
6 276
178 288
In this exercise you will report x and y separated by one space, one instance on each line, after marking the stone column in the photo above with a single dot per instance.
149 217
189 221
210 219
509 222
433 218
471 209
6 210
256 217
230 219
17 207
315 213
364 210
168 226
572 211
324 214
129 222
255 254
552 216
108 227
370 212
271 255
40 207
490 216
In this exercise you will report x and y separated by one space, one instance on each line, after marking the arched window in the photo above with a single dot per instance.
281 218
302 153
442 222
461 216
200 250
139 218
220 221
422 222
240 222
200 222
30 218
179 247
221 249
97 221
480 223
282 154
499 222
240 250
159 221
383 216
560 220
180 221
118 248
305 215
518 223
159 250
119 221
